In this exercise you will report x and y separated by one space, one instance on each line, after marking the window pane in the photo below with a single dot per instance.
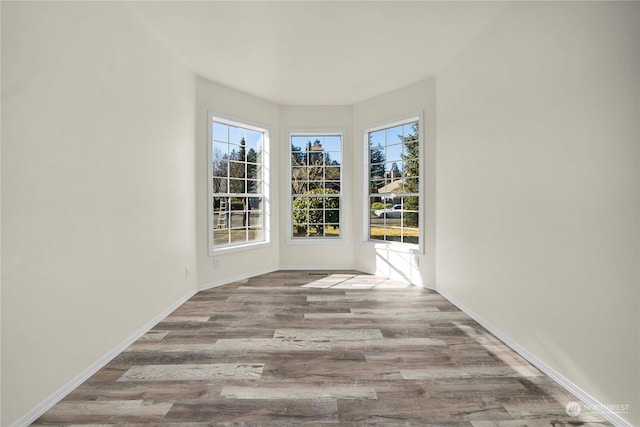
376 155
410 222
332 230
220 149
332 143
253 156
220 185
254 140
315 186
237 203
237 169
316 173
220 132
411 185
376 232
316 216
299 187
393 171
239 236
376 182
410 131
221 237
394 153
298 159
255 234
237 186
254 187
317 143
376 139
332 173
300 216
410 235
236 135
333 158
220 167
299 173
412 167
332 185
393 233
299 230
255 204
332 216
298 143
410 150
252 171
383 186
315 158
237 153
375 205
255 218
393 135
332 203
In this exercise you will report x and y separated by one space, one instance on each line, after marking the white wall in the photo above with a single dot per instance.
0 230
381 259
231 104
319 254
537 188
98 189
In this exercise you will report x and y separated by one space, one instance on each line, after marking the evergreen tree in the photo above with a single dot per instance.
376 169
411 158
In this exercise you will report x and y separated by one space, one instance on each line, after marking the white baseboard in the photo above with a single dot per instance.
56 397
237 278
580 394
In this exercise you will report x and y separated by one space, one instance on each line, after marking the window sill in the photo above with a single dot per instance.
238 248
315 241
406 248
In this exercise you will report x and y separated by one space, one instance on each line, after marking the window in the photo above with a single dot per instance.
315 186
393 182
238 184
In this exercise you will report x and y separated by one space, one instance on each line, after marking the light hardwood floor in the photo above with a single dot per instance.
289 348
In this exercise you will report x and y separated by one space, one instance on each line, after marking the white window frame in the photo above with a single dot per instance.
396 246
289 210
266 177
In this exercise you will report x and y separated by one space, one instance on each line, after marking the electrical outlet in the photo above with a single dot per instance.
216 263
187 272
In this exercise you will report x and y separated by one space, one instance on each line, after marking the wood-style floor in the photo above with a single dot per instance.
290 348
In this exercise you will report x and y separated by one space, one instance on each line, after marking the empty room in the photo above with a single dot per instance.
282 213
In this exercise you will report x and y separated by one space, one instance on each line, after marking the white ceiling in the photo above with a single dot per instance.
316 53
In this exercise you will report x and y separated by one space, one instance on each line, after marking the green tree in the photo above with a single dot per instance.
376 168
411 158
310 211
252 167
237 169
